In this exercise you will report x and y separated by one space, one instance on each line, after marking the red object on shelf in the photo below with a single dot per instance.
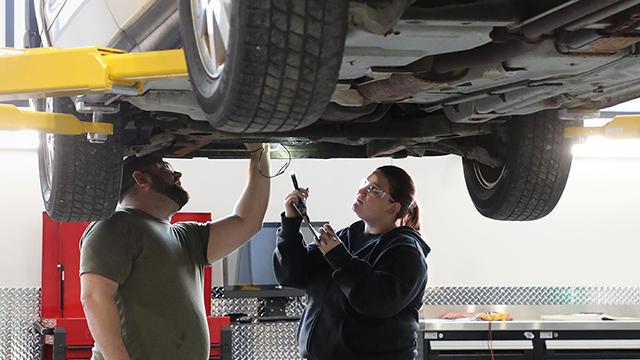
61 306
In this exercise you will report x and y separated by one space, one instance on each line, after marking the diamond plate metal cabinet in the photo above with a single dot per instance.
18 309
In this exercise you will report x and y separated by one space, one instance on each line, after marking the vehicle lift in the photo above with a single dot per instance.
53 72
50 72
38 73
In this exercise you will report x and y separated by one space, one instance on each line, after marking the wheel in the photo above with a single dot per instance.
263 65
536 162
79 180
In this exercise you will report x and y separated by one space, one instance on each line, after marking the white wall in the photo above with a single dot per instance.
589 240
20 219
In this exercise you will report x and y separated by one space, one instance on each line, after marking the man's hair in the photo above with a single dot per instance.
131 164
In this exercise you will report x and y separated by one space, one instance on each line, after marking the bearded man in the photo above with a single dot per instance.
142 277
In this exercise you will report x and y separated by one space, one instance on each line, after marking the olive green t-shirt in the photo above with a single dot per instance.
159 269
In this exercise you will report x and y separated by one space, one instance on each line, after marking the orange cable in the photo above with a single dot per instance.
490 341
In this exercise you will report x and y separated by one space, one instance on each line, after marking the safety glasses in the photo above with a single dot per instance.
373 190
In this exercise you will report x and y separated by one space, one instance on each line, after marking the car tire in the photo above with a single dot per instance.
280 65
536 163
79 180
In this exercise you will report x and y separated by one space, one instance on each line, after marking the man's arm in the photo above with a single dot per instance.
98 301
229 233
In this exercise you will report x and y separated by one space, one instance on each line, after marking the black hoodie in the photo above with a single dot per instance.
360 305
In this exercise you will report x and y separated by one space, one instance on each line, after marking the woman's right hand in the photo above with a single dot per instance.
293 197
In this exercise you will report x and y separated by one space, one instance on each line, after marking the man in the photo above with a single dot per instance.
142 278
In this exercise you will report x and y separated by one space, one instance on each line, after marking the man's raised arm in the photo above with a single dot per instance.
229 233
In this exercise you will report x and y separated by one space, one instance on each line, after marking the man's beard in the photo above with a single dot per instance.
174 192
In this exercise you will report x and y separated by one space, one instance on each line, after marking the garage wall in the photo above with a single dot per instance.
588 241
20 219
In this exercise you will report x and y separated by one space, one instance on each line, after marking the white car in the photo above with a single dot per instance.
494 81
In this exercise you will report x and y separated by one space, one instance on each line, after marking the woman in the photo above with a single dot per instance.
364 284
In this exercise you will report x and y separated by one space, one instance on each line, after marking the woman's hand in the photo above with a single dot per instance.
328 239
294 197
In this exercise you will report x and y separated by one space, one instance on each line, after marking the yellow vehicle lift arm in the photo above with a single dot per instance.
12 118
621 127
51 72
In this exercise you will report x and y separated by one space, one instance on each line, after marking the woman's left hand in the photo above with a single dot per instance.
328 239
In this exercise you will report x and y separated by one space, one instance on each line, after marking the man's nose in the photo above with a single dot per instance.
177 175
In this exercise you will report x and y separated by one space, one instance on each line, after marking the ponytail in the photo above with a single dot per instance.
412 217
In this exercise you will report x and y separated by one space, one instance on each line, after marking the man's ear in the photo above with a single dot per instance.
139 178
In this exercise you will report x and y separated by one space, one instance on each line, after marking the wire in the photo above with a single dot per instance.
490 342
282 169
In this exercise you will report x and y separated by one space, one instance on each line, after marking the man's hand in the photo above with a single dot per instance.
260 160
254 147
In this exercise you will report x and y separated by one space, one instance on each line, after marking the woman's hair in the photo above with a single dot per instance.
402 190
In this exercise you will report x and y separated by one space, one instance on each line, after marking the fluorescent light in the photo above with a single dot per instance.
597 146
19 140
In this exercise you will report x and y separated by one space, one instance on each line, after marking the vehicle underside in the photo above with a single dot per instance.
493 81
431 82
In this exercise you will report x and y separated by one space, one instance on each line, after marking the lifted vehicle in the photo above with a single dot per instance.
494 81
